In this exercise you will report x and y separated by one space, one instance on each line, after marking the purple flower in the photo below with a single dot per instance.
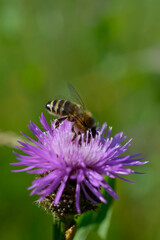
56 159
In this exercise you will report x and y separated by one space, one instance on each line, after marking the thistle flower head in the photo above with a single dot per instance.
77 167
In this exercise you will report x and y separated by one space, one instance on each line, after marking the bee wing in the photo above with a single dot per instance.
75 95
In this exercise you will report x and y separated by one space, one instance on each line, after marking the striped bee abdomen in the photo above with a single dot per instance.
61 107
68 108
50 106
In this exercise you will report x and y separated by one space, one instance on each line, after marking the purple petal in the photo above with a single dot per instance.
94 190
109 132
77 197
60 190
111 192
122 178
24 169
51 188
86 194
44 123
103 129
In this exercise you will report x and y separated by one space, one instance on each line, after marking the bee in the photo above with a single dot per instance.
77 113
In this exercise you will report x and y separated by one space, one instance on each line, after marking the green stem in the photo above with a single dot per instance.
58 229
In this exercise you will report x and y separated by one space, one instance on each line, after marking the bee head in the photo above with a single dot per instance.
89 120
90 123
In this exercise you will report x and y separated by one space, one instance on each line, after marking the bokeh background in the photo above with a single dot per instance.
109 51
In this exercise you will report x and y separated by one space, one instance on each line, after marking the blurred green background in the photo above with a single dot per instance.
109 51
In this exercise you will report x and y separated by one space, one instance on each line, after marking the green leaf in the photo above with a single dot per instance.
96 221
104 226
83 232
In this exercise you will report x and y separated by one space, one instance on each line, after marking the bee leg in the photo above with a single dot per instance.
59 121
80 138
75 134
94 132
85 137
70 119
